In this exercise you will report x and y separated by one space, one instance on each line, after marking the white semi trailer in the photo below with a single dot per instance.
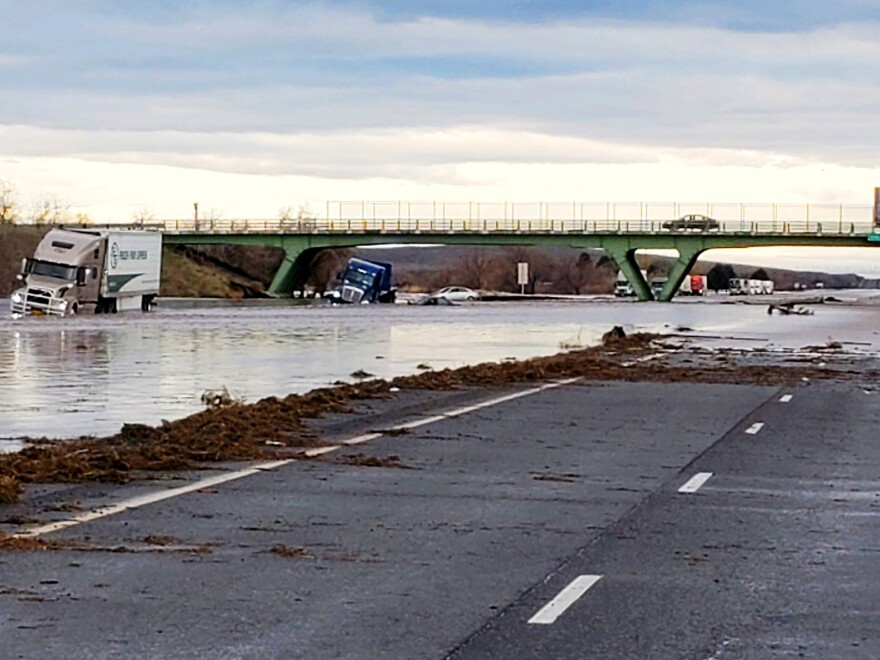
740 286
104 271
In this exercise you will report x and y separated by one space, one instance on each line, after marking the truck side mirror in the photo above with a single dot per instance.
24 265
81 276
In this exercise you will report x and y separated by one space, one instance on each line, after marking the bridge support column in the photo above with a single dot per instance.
686 259
625 258
294 271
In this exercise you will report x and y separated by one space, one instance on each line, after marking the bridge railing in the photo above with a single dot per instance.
581 218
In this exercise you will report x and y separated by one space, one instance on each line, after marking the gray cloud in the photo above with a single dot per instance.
179 92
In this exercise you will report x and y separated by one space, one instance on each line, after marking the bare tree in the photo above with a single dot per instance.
8 202
143 217
49 211
473 269
302 219
577 275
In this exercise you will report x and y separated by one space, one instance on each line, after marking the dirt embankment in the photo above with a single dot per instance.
277 427
16 243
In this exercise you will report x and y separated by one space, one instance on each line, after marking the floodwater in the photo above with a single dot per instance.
87 375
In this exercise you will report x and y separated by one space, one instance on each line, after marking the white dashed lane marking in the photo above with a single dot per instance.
695 482
566 598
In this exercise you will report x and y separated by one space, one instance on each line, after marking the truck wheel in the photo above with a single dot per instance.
74 309
146 303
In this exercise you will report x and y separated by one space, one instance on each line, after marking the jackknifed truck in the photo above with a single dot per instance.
101 270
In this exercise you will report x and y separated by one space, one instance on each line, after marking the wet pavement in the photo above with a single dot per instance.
774 556
399 563
489 516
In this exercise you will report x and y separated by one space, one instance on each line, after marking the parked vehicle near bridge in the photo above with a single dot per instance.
99 270
457 294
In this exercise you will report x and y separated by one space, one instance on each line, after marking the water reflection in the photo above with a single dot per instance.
88 375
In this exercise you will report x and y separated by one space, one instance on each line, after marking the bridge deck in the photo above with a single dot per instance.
565 227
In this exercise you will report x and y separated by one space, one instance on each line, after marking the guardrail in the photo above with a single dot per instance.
550 218
489 226
542 217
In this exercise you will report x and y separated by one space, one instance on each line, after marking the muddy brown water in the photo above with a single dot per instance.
88 375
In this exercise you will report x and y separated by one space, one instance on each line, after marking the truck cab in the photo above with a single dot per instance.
622 287
62 276
366 282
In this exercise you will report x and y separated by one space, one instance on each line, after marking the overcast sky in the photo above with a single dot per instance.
250 107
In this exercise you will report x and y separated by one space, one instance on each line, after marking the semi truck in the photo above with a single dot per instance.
622 287
78 270
657 285
366 282
693 285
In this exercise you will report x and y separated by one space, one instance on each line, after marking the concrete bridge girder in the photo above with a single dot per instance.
300 249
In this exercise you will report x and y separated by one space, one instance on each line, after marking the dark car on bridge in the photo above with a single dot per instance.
694 221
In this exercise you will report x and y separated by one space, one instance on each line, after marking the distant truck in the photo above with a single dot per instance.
741 286
657 285
622 287
366 282
105 271
694 285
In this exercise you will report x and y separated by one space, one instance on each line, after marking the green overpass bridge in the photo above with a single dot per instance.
618 229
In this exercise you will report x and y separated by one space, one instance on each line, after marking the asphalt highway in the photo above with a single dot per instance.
613 520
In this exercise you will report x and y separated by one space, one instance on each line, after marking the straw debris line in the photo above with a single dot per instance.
276 427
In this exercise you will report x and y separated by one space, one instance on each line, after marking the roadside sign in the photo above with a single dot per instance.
522 275
876 208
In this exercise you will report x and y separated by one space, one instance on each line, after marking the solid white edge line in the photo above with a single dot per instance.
785 398
694 484
361 439
320 451
754 428
151 498
564 599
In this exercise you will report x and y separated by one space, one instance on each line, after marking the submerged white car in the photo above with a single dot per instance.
457 294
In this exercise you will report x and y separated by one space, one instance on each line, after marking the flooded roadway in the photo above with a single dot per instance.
88 375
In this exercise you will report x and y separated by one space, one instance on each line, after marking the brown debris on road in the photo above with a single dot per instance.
365 460
273 427
9 542
290 552
10 488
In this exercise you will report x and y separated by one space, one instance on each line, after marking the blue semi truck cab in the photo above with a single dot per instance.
366 282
